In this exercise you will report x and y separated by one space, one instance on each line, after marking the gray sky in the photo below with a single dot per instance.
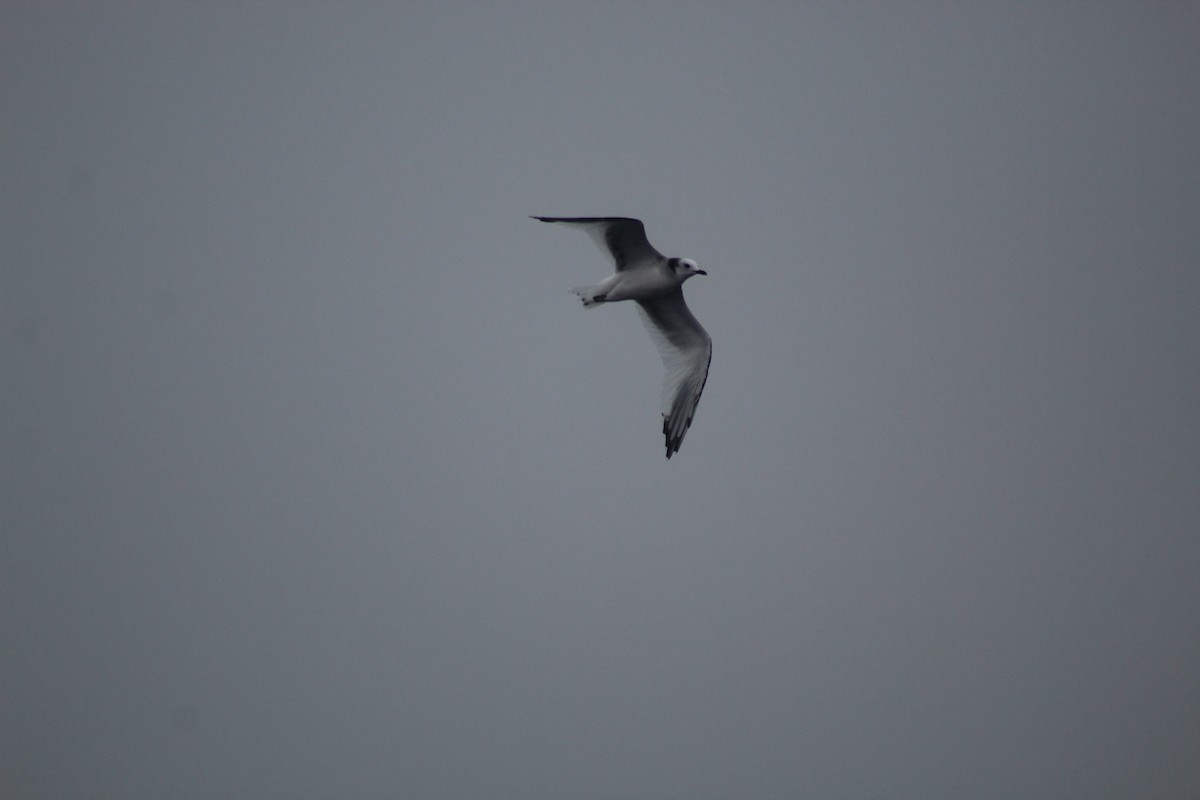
315 481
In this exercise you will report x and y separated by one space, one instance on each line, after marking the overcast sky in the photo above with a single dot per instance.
315 482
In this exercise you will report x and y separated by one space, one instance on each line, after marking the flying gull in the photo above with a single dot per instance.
656 283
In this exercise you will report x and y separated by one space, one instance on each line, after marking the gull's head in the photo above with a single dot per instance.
684 268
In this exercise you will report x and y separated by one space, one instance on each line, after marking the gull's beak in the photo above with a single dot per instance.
701 272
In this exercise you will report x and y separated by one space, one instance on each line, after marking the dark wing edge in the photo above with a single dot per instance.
686 351
672 432
623 238
585 219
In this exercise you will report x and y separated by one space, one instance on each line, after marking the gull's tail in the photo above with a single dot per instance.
590 295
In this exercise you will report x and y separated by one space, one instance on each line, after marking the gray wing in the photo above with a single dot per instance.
686 350
624 239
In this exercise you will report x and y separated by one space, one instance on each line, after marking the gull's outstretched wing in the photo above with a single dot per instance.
686 350
624 239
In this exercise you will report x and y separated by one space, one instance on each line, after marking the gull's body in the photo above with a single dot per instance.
655 283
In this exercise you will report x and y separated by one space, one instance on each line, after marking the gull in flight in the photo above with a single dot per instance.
656 283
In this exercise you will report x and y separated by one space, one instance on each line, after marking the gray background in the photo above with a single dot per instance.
317 483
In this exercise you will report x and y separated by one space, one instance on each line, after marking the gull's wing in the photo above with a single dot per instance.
686 350
624 239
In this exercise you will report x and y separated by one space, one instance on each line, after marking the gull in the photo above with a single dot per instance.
656 283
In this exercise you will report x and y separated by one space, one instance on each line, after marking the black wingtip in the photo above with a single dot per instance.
672 443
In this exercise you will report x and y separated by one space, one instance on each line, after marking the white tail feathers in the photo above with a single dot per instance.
590 295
